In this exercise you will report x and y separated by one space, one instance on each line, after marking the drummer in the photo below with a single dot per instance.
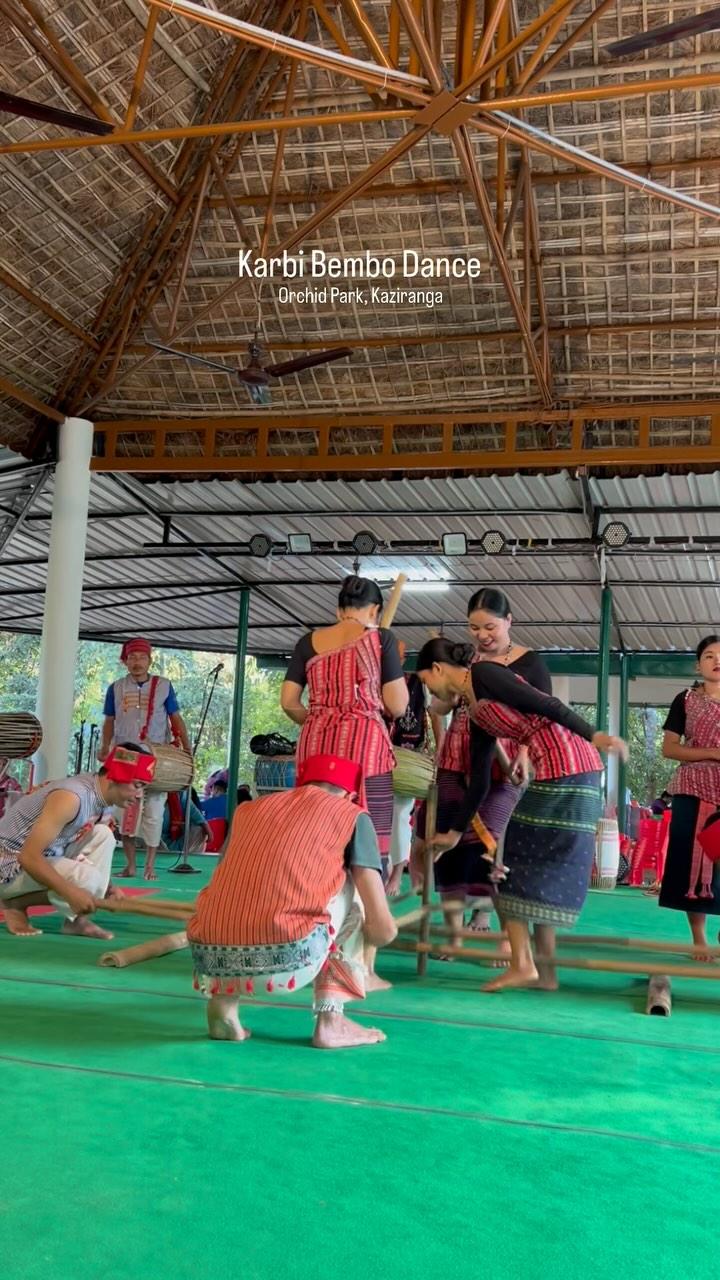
143 708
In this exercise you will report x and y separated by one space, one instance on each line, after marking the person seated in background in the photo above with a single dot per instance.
173 828
296 897
54 848
243 793
661 805
215 805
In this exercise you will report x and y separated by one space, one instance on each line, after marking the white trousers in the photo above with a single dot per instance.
90 870
148 826
401 835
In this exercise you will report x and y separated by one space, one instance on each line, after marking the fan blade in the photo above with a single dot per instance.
187 355
307 362
52 115
692 26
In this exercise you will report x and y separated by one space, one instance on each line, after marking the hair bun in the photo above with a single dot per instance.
462 654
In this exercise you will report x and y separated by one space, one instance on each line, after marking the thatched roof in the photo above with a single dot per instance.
81 228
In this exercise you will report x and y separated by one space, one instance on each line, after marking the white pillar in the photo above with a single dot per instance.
613 765
561 688
63 597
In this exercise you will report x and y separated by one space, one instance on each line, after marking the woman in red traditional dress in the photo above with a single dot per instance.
354 676
691 882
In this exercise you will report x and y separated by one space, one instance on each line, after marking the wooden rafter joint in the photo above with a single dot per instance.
445 113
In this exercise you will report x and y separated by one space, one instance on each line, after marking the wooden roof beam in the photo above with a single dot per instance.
39 33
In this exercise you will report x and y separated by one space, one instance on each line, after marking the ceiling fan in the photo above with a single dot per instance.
655 36
11 105
256 375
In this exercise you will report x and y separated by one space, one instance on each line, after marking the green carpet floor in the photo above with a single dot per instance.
524 1135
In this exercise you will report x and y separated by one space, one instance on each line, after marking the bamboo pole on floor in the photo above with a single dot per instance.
487 958
581 940
143 951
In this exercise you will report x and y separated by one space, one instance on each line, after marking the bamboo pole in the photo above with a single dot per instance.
412 917
131 907
143 951
583 940
487 958
393 601
428 877
659 997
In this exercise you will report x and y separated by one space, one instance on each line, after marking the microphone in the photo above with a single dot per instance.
216 670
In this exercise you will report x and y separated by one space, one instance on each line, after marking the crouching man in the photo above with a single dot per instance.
296 897
54 848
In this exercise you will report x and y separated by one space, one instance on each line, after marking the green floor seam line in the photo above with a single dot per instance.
512 1028
301 1095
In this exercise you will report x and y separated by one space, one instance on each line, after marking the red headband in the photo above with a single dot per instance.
123 765
332 769
138 645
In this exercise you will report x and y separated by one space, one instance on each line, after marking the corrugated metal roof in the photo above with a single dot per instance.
140 576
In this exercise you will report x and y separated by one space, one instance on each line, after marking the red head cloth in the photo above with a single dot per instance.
138 645
123 765
332 769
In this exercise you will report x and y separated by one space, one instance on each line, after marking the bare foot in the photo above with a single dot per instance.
149 873
126 874
224 1023
525 977
547 977
335 1031
394 884
374 983
17 923
83 927
505 950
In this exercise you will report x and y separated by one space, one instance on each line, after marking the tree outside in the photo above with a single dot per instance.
98 666
648 772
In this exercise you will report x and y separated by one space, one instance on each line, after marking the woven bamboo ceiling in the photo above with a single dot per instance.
594 288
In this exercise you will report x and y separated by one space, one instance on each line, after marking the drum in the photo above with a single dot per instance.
274 773
174 768
20 735
413 774
607 854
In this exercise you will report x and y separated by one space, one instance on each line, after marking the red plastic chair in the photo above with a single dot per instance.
218 827
651 849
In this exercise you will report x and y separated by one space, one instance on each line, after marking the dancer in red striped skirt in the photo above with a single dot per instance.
353 674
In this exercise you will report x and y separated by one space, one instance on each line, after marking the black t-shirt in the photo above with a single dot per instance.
675 722
390 664
533 669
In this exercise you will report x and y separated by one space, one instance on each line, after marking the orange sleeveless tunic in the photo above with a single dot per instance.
284 862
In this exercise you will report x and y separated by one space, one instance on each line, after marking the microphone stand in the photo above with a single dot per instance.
182 866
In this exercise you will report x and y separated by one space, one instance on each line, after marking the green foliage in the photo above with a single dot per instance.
648 772
98 666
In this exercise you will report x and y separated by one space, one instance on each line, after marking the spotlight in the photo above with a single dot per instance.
300 544
493 542
454 544
364 544
615 534
260 545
